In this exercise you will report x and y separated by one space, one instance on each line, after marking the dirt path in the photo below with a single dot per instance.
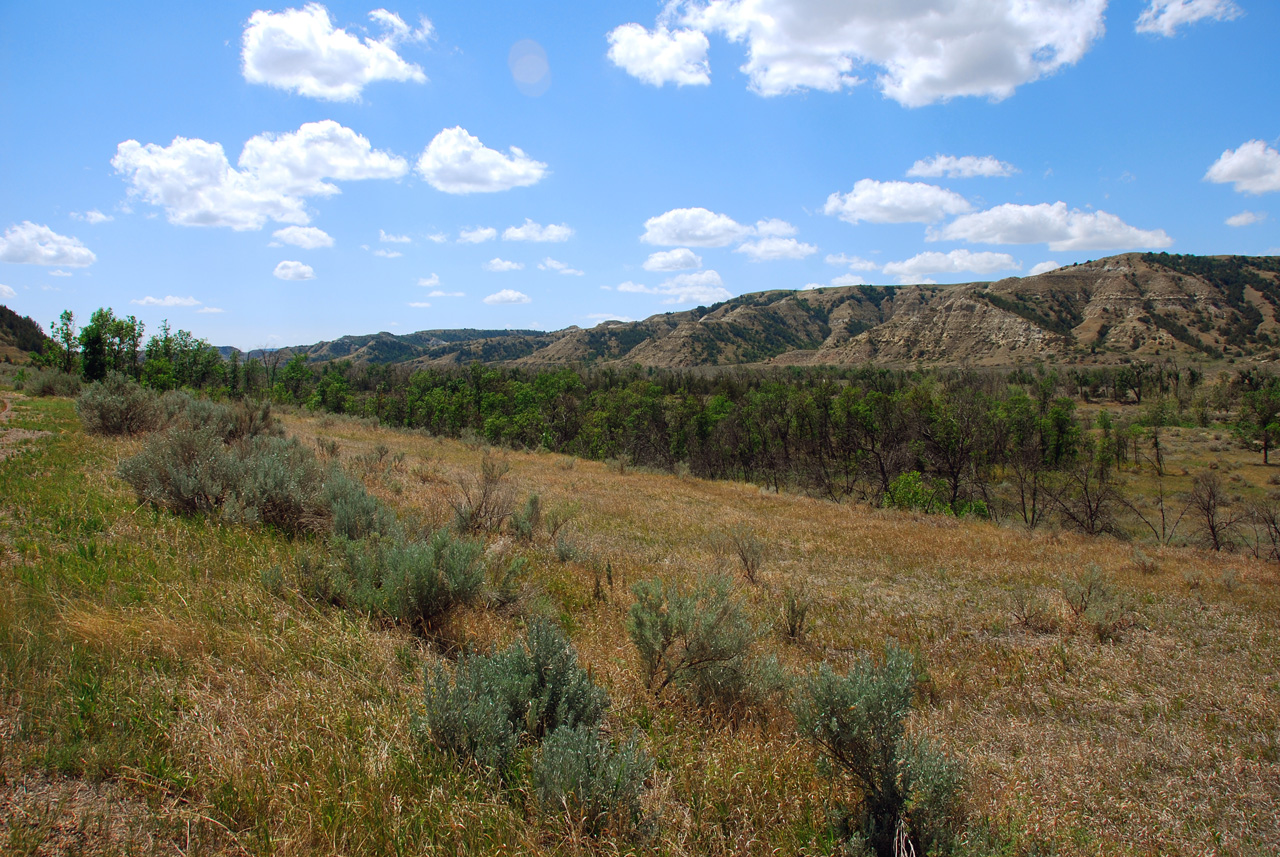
11 439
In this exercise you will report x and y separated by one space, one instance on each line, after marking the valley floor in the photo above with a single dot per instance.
166 685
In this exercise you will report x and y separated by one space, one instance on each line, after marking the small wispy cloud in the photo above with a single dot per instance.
166 301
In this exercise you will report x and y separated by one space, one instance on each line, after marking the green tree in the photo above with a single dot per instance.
1259 419
66 343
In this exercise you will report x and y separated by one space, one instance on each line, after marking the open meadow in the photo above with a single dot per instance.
172 684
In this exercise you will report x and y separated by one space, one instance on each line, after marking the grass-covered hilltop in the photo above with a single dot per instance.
1026 603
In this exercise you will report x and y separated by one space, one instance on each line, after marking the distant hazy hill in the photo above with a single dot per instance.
19 335
1133 305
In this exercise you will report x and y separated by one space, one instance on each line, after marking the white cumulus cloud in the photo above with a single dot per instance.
955 262
1043 268
661 56
853 263
299 162
387 237
774 228
683 259
499 265
1246 218
1053 224
696 227
530 231
848 280
478 235
1253 168
306 237
197 186
550 264
702 287
28 243
457 162
7 292
1164 17
166 301
895 202
92 216
507 296
294 271
917 51
300 50
770 249
965 167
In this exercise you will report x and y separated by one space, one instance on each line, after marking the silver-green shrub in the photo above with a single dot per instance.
186 471
597 785
412 582
118 405
259 478
698 638
907 789
46 382
526 691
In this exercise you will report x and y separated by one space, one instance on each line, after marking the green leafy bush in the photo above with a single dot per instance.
912 492
595 784
907 789
118 405
527 690
909 491
354 513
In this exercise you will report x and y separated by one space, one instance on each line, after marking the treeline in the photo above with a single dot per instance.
167 361
1004 444
988 443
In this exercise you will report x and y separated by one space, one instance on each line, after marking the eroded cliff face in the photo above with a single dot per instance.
1133 306
1130 306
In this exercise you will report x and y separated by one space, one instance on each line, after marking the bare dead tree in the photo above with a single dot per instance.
1163 520
1217 521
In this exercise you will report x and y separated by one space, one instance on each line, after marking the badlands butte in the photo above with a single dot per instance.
1135 306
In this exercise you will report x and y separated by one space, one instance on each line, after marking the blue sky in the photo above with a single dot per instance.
270 175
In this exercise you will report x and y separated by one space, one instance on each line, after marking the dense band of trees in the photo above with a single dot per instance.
1007 444
933 440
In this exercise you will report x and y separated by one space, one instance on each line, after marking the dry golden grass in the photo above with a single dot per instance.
267 723
1162 742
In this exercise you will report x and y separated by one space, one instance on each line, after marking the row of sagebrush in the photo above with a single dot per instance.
232 463
531 716
530 713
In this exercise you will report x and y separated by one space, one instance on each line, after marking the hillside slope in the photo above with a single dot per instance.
1136 305
19 336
